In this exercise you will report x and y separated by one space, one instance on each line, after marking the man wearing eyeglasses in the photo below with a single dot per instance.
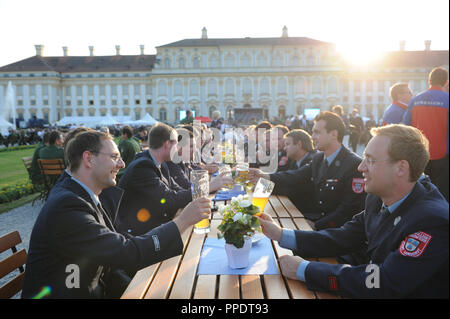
405 225
74 246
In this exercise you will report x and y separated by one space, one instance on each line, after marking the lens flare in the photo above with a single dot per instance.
143 215
45 291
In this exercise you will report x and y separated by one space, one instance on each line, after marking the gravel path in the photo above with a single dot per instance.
21 219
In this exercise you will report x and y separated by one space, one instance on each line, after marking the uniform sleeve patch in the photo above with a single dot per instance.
414 245
358 185
333 283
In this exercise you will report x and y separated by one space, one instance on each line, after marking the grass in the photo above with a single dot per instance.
12 169
17 203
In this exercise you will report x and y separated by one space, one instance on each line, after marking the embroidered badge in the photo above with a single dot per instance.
358 185
397 220
414 245
332 283
283 161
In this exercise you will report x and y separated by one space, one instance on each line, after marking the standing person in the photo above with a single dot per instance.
428 111
128 147
356 128
337 185
400 96
74 246
405 225
189 119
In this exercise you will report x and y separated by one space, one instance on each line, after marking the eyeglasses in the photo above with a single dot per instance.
370 161
114 157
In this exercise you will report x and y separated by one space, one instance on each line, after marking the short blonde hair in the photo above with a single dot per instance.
406 143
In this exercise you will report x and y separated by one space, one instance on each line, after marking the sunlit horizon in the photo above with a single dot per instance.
361 30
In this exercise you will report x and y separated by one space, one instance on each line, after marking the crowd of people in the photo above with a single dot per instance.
114 209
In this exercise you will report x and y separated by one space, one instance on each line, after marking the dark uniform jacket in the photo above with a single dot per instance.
180 173
51 152
72 231
149 192
409 248
338 191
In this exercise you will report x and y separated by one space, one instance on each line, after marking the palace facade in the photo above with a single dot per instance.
282 75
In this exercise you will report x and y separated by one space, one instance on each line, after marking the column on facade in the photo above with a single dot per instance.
220 95
120 99
203 109
255 90
291 93
363 93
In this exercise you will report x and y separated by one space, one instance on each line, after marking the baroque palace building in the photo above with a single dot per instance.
282 75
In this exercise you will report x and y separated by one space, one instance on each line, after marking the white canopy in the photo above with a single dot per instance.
146 120
92 121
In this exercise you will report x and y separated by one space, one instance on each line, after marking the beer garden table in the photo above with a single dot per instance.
176 278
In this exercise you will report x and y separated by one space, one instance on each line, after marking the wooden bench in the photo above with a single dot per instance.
27 163
51 169
15 261
176 278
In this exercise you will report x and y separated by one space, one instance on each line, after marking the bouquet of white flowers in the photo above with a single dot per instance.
238 221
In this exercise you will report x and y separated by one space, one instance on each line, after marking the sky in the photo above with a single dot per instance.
361 29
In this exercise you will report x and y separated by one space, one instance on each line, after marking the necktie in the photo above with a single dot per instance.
383 214
104 218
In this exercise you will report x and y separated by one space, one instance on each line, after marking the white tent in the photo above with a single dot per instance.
92 121
146 120
4 126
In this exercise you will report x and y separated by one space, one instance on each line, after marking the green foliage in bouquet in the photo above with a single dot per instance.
238 221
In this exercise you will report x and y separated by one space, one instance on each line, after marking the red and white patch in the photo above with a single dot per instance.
283 161
333 283
414 245
358 185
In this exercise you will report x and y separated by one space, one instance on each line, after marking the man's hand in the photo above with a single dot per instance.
254 174
217 182
211 168
269 227
194 212
289 266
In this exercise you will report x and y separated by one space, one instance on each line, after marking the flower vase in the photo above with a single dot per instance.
239 257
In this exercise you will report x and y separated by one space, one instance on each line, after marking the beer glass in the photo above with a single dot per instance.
241 174
200 188
261 194
226 170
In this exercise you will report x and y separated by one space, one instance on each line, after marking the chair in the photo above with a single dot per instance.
51 169
27 163
10 263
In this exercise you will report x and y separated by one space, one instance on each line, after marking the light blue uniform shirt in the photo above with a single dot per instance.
88 190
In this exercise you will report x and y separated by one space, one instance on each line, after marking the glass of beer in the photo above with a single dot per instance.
241 174
226 170
200 188
261 194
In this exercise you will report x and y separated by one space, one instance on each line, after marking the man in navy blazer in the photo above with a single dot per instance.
329 188
74 245
404 229
151 195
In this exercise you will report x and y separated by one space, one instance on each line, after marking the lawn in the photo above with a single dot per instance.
12 169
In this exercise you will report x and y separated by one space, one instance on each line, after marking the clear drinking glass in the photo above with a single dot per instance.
241 174
261 194
200 188
226 170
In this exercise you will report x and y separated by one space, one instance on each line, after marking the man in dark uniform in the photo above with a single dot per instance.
356 128
151 195
404 228
332 174
74 245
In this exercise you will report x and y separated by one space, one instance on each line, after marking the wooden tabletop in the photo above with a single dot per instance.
176 278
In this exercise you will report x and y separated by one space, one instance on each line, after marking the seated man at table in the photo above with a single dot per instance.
151 196
335 187
74 247
405 223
